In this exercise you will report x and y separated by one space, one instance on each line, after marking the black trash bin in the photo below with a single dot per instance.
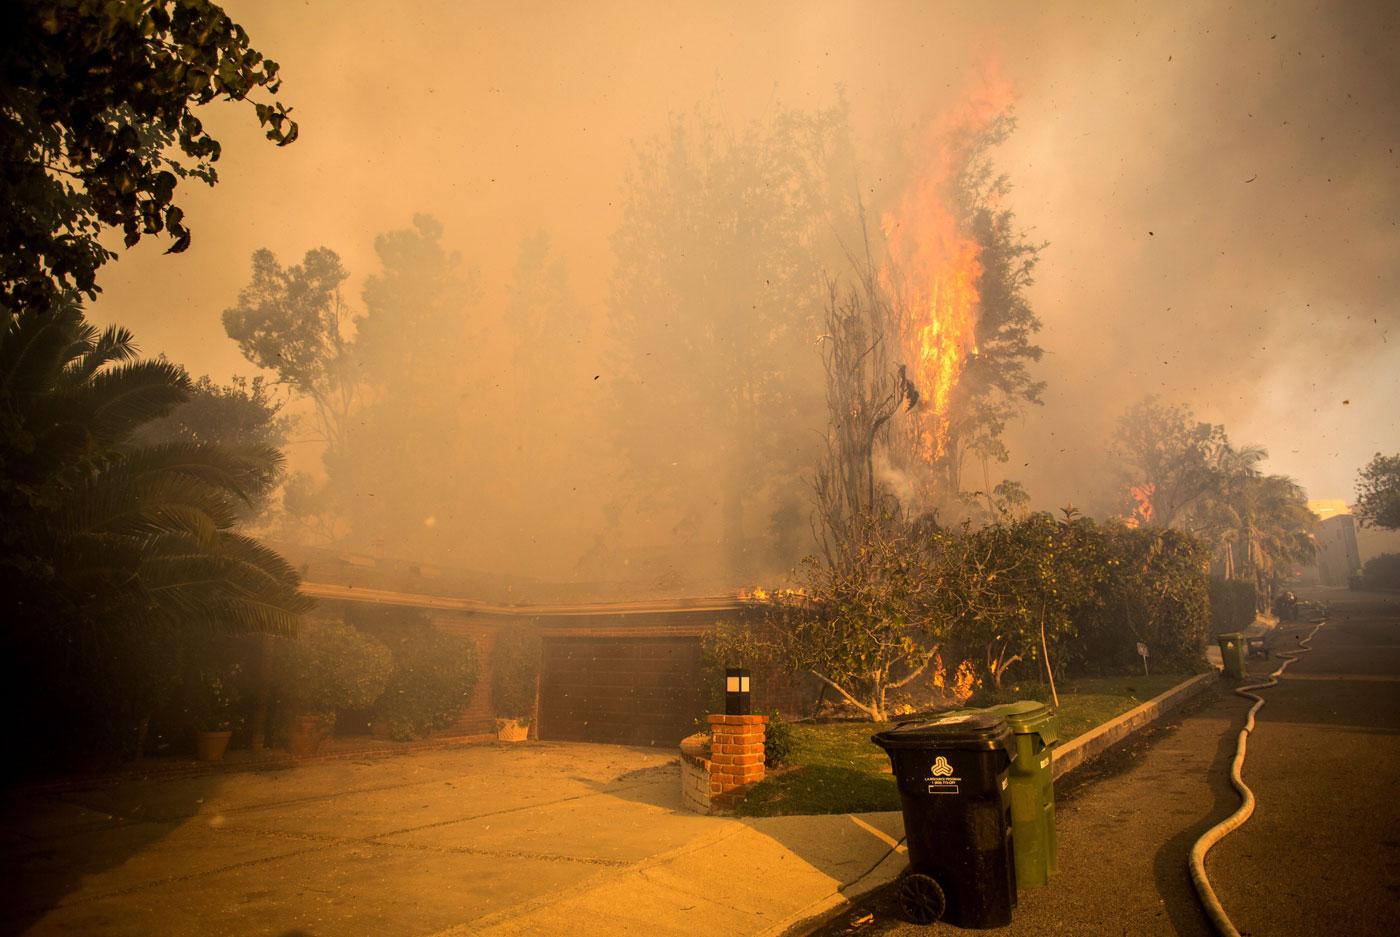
952 776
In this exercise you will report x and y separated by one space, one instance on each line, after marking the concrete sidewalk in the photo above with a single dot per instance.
500 839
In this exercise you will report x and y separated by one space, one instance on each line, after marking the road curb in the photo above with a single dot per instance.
1095 742
1066 757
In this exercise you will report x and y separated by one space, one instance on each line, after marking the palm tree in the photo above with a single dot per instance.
1218 516
115 554
1257 522
1279 529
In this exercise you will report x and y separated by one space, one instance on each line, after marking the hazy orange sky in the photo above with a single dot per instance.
1219 184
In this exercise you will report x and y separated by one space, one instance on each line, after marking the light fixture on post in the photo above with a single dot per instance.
737 701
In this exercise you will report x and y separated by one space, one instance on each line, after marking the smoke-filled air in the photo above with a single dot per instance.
653 467
542 291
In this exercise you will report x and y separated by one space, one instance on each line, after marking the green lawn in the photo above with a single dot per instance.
835 768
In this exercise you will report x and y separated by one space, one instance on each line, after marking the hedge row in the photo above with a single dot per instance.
1232 604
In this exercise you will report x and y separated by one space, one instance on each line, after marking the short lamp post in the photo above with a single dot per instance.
737 701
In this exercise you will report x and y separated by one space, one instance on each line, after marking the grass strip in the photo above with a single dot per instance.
835 768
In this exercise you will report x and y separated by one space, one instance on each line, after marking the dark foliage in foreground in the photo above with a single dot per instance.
98 127
116 557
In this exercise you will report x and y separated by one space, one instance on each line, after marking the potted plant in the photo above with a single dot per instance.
327 666
431 686
515 676
217 711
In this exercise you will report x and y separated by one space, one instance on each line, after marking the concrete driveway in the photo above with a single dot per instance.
532 838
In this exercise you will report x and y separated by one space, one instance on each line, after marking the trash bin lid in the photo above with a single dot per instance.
1231 636
1027 717
970 729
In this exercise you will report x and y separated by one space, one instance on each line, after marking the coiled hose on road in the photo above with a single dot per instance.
1218 918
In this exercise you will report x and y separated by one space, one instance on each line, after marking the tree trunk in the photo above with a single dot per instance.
1049 671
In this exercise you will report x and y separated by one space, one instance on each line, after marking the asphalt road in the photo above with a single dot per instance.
1321 854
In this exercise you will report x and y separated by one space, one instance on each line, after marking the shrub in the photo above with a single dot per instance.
329 666
515 671
432 682
1155 592
1009 693
218 702
1232 604
777 743
1381 572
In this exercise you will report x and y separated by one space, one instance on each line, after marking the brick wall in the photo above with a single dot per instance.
714 782
695 773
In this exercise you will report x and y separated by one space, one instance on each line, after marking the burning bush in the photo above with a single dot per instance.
1044 596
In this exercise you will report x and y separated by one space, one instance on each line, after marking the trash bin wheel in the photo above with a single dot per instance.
921 899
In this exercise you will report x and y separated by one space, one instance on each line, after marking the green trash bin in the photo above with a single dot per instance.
1032 790
1233 645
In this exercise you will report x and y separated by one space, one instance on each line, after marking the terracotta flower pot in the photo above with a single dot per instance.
211 746
512 730
304 736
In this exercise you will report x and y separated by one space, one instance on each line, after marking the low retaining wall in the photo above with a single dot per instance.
1095 742
695 772
718 768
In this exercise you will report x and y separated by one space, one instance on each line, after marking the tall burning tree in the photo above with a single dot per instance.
956 275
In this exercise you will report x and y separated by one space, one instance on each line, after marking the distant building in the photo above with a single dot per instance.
1338 557
1325 508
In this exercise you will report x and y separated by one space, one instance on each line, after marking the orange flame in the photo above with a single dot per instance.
964 678
934 266
964 681
1142 507
760 594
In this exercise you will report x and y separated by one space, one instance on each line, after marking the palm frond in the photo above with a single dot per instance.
33 348
117 501
242 587
114 344
124 397
237 470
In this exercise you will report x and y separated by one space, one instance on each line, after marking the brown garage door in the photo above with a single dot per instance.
636 691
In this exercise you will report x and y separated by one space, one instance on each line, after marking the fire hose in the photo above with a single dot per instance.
1218 918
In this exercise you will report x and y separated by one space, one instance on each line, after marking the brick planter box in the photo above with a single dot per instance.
714 781
695 772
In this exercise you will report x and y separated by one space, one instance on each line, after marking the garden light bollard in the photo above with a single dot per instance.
737 699
736 752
